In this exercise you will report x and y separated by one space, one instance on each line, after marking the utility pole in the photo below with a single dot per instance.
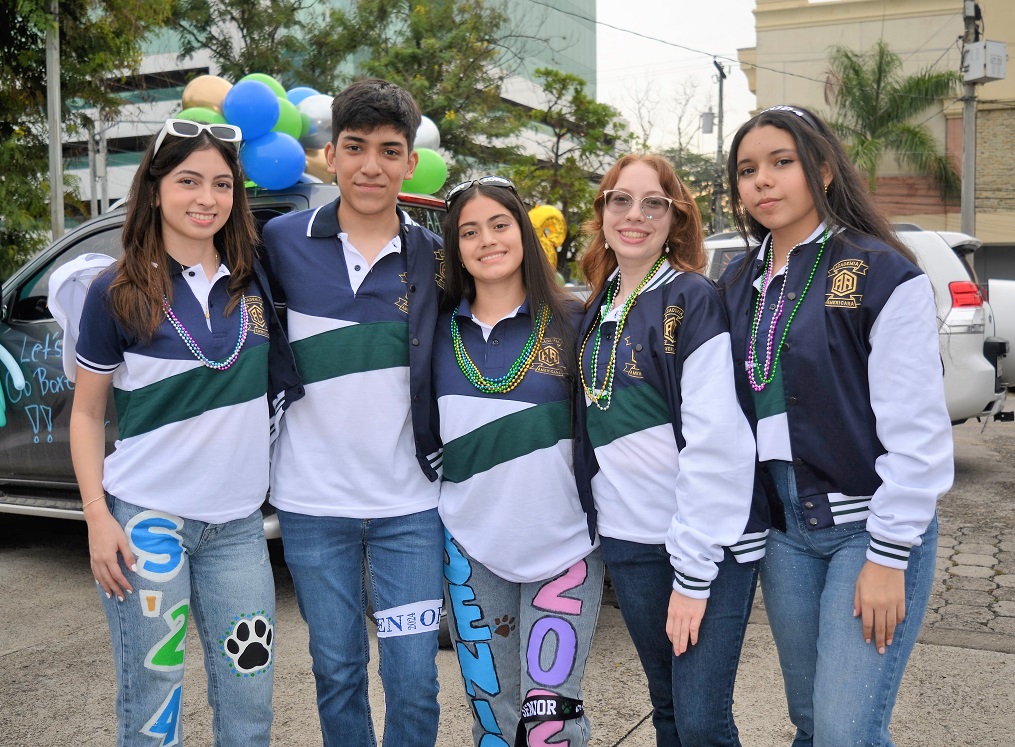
93 197
53 114
718 191
968 194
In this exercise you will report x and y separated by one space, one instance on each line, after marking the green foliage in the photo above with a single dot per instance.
245 36
99 40
577 138
453 56
875 104
697 172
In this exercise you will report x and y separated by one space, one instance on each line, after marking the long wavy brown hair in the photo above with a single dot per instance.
142 274
686 240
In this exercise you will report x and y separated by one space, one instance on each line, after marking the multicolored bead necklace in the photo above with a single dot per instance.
518 369
758 377
605 393
221 365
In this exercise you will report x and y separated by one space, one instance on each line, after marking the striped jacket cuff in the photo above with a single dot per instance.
689 586
891 554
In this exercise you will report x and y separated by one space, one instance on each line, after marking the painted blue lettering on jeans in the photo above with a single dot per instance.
165 724
155 540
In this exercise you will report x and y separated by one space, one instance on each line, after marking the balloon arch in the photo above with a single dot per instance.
284 132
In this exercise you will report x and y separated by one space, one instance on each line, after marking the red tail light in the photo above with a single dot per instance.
965 294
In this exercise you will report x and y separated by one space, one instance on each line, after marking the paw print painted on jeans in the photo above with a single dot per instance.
504 625
248 645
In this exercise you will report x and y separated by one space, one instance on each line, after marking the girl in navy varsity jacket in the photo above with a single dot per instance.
665 456
521 570
180 326
835 346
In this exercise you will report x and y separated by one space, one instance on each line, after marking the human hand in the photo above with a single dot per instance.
880 598
683 620
106 540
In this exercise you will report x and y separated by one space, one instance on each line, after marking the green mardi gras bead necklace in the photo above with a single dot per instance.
519 368
605 393
761 376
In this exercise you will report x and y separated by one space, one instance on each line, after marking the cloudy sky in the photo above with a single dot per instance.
657 50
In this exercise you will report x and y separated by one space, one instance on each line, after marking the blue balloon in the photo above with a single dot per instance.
252 106
274 161
297 94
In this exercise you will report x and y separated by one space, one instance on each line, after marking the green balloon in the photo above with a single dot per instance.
201 114
273 84
430 174
289 120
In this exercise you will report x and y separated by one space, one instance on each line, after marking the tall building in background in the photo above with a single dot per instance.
560 34
790 63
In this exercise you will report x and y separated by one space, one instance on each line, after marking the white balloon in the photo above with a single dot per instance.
428 136
318 109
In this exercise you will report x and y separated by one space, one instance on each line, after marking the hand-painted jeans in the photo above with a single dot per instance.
521 640
840 690
220 576
692 694
326 555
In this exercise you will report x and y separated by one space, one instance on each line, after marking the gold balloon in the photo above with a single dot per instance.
318 166
551 228
206 90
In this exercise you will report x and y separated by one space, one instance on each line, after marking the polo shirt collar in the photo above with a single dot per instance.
465 309
324 221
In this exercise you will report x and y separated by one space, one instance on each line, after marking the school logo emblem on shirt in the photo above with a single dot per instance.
402 302
548 358
672 317
256 323
439 277
845 276
631 366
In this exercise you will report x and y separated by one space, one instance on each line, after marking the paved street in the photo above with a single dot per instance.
57 683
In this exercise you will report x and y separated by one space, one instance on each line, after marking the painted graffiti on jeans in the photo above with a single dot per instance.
168 654
165 724
551 650
247 646
155 540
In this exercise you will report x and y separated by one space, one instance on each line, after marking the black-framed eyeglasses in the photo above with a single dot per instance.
793 110
185 128
653 207
492 181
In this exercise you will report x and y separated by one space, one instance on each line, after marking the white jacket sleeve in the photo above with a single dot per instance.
907 396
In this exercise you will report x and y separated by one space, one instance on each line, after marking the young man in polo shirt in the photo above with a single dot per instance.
354 470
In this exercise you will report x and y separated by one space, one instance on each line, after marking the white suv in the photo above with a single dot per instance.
970 351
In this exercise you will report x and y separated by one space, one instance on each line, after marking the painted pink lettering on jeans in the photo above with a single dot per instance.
566 651
549 597
542 731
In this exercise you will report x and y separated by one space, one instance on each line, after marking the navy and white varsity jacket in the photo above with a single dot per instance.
862 394
671 461
300 234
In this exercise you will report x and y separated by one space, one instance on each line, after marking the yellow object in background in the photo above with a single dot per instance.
551 228
208 91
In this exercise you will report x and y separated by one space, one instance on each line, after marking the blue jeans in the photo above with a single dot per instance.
519 640
692 695
840 690
403 556
218 574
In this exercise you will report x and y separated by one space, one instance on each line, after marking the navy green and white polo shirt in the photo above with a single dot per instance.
192 441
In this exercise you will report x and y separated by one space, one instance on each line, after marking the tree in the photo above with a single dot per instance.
245 36
697 172
99 41
452 55
874 107
576 138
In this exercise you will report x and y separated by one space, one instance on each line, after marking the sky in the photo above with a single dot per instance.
654 49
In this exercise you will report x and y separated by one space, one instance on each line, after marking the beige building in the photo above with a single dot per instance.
790 63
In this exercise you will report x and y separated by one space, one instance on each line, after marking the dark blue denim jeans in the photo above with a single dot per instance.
692 695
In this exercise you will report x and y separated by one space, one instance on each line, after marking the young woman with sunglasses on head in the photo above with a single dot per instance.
665 461
838 368
179 326
524 579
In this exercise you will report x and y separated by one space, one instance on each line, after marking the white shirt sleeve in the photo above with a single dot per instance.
716 469
907 396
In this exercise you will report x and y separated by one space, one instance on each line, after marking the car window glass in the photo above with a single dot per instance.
428 217
30 304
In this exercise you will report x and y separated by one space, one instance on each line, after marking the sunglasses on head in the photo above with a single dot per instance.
227 133
493 181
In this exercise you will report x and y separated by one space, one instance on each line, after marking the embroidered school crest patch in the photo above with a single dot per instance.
548 358
258 325
672 317
439 276
845 276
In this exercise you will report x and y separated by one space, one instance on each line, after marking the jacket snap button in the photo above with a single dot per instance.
790 400
813 522
797 462
791 295
412 289
809 505
637 348
415 341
